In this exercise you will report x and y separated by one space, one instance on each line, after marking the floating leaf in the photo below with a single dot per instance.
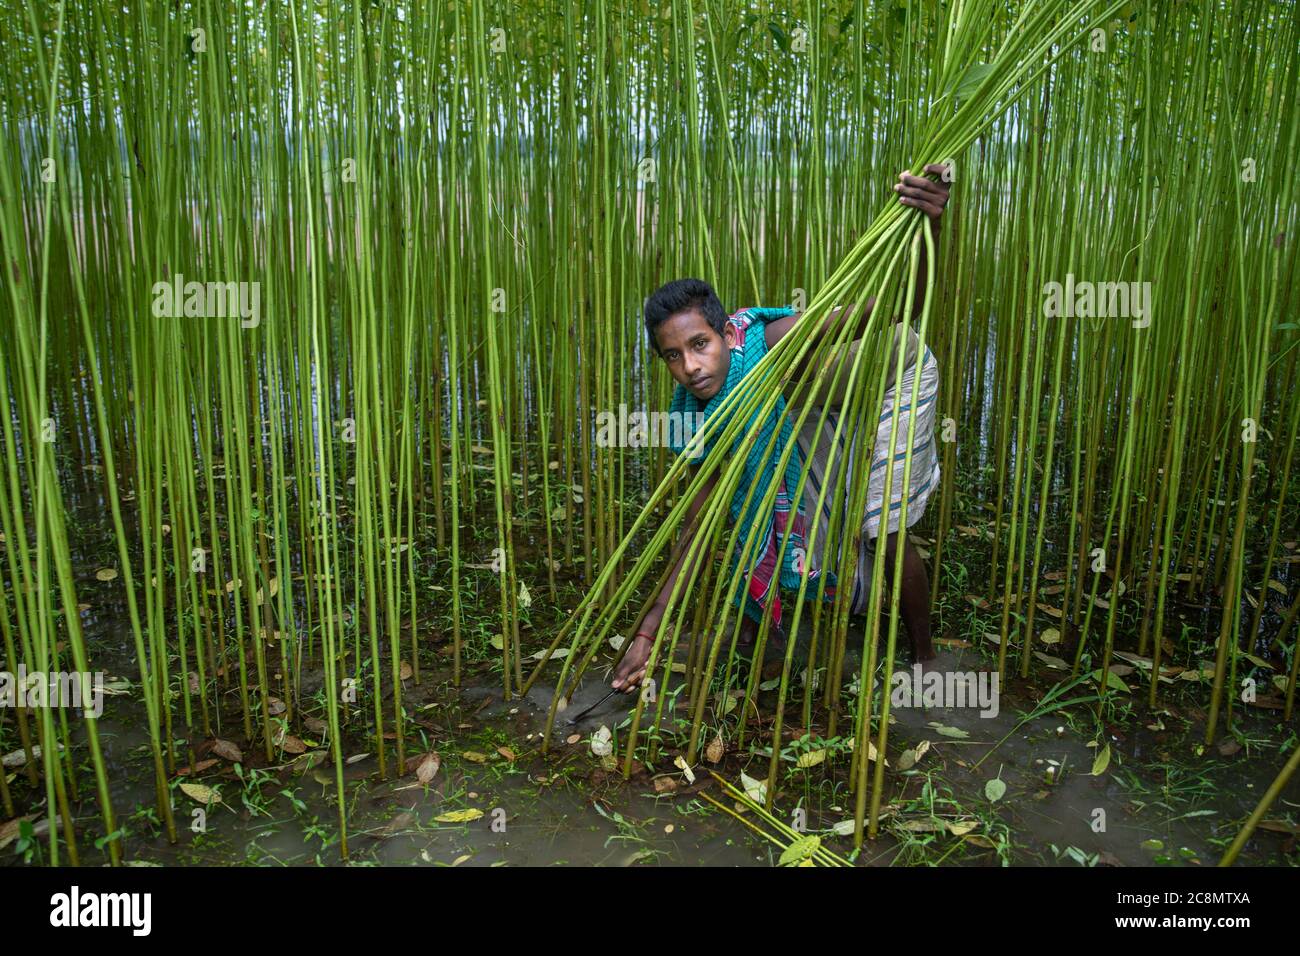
198 768
955 732
1053 662
665 784
1101 761
995 790
1135 659
924 826
459 816
224 748
601 742
200 793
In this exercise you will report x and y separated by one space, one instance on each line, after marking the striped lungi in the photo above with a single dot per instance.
824 466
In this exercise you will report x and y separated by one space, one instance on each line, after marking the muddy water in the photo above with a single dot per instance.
1158 801
1052 798
1155 803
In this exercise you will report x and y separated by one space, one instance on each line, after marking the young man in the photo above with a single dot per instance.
707 353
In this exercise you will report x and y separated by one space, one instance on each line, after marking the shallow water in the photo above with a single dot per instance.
562 808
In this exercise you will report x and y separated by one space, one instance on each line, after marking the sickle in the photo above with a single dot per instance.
578 716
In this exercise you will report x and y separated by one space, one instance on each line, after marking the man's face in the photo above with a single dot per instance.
697 357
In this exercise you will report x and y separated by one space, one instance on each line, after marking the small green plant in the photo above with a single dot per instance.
1075 854
28 846
256 802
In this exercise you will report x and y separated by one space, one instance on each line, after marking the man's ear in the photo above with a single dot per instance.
729 335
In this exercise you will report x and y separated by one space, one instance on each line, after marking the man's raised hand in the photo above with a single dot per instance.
918 192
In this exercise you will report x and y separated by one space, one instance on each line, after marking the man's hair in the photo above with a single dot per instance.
679 296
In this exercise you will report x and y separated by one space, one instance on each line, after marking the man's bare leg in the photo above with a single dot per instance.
914 599
749 632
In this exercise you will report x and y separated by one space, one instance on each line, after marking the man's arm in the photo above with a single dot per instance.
632 668
690 531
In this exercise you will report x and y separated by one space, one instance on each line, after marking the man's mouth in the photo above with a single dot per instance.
700 383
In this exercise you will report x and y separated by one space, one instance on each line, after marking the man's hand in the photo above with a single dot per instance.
924 194
632 669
